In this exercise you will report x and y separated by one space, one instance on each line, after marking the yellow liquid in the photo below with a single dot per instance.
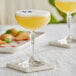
66 6
32 23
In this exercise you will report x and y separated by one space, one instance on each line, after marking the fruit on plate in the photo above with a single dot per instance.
6 37
22 36
2 42
13 35
12 31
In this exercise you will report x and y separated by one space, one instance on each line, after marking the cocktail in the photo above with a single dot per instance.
68 7
32 20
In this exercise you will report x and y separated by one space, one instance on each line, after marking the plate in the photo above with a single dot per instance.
16 45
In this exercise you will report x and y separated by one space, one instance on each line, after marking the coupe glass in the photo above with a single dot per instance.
68 7
32 20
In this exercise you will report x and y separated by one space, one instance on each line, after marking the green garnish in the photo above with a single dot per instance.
8 31
19 32
7 40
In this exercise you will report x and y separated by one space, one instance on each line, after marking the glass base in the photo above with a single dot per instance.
64 43
70 39
30 66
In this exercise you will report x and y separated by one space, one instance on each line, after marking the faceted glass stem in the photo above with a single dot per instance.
69 24
32 43
32 60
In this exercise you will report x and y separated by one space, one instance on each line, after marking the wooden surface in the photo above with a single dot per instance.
64 59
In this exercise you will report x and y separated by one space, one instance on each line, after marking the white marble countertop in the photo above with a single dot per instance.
66 58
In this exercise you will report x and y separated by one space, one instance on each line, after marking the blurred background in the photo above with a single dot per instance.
8 8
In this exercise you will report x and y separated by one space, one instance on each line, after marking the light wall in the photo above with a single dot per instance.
8 8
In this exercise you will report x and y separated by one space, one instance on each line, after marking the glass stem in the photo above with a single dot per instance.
69 24
32 43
